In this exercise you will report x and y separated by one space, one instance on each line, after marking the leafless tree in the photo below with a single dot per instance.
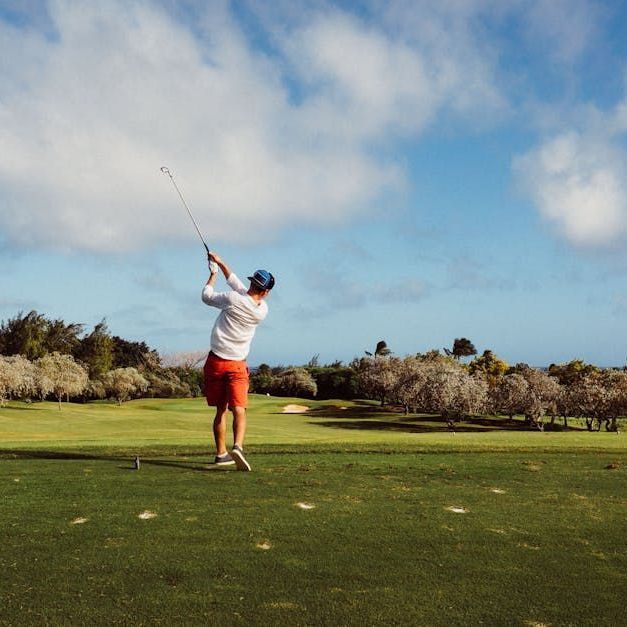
378 376
61 375
451 392
410 374
543 393
184 359
123 383
293 382
17 378
510 396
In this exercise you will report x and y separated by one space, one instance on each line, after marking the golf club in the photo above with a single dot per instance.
167 171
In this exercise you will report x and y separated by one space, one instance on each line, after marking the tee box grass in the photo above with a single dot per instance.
351 516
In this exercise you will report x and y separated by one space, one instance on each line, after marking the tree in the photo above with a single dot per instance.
261 379
489 366
127 354
381 350
293 382
62 337
544 392
61 375
17 378
377 376
451 392
510 395
571 372
618 404
335 381
183 359
411 374
122 383
96 351
462 347
8 379
24 335
168 383
600 397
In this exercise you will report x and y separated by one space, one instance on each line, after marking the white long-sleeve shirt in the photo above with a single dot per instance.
235 327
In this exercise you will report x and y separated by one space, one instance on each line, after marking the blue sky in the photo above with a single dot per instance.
409 171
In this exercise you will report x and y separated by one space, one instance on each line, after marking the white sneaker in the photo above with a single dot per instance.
238 457
224 460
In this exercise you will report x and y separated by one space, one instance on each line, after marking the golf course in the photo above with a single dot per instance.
353 515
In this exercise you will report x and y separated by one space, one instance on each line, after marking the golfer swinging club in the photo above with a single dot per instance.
226 372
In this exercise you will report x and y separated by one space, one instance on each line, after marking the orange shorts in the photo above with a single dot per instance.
226 382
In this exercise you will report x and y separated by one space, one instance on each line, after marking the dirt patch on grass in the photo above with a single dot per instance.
295 409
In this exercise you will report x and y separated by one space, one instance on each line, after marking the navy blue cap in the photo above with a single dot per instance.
262 279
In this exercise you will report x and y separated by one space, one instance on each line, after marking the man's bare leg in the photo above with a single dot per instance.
239 430
219 429
239 425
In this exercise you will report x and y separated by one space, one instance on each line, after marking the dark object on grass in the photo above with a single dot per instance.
136 463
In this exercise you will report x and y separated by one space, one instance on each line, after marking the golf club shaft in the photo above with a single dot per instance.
202 239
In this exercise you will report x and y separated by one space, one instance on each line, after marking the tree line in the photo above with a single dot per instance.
48 358
43 358
441 383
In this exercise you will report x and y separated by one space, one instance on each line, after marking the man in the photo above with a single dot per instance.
226 372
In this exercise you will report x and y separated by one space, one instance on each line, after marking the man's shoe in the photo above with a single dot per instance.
224 460
238 457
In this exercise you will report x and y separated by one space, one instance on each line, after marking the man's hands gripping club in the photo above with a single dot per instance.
215 263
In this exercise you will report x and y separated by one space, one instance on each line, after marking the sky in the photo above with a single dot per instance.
409 171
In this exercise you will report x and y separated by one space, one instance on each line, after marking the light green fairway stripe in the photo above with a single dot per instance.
187 422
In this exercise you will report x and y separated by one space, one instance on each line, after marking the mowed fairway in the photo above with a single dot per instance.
351 516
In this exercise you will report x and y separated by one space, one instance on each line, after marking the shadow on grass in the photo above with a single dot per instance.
407 427
185 464
376 418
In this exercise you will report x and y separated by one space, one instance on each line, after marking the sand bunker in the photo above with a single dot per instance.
295 409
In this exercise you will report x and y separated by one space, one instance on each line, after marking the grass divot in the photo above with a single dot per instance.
264 545
457 509
147 515
79 521
305 505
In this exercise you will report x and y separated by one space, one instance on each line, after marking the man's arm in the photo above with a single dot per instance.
231 278
209 296
212 278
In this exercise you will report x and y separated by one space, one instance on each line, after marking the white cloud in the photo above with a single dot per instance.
88 116
578 182
338 293
565 27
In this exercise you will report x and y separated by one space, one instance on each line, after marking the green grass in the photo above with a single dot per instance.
379 547
186 423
